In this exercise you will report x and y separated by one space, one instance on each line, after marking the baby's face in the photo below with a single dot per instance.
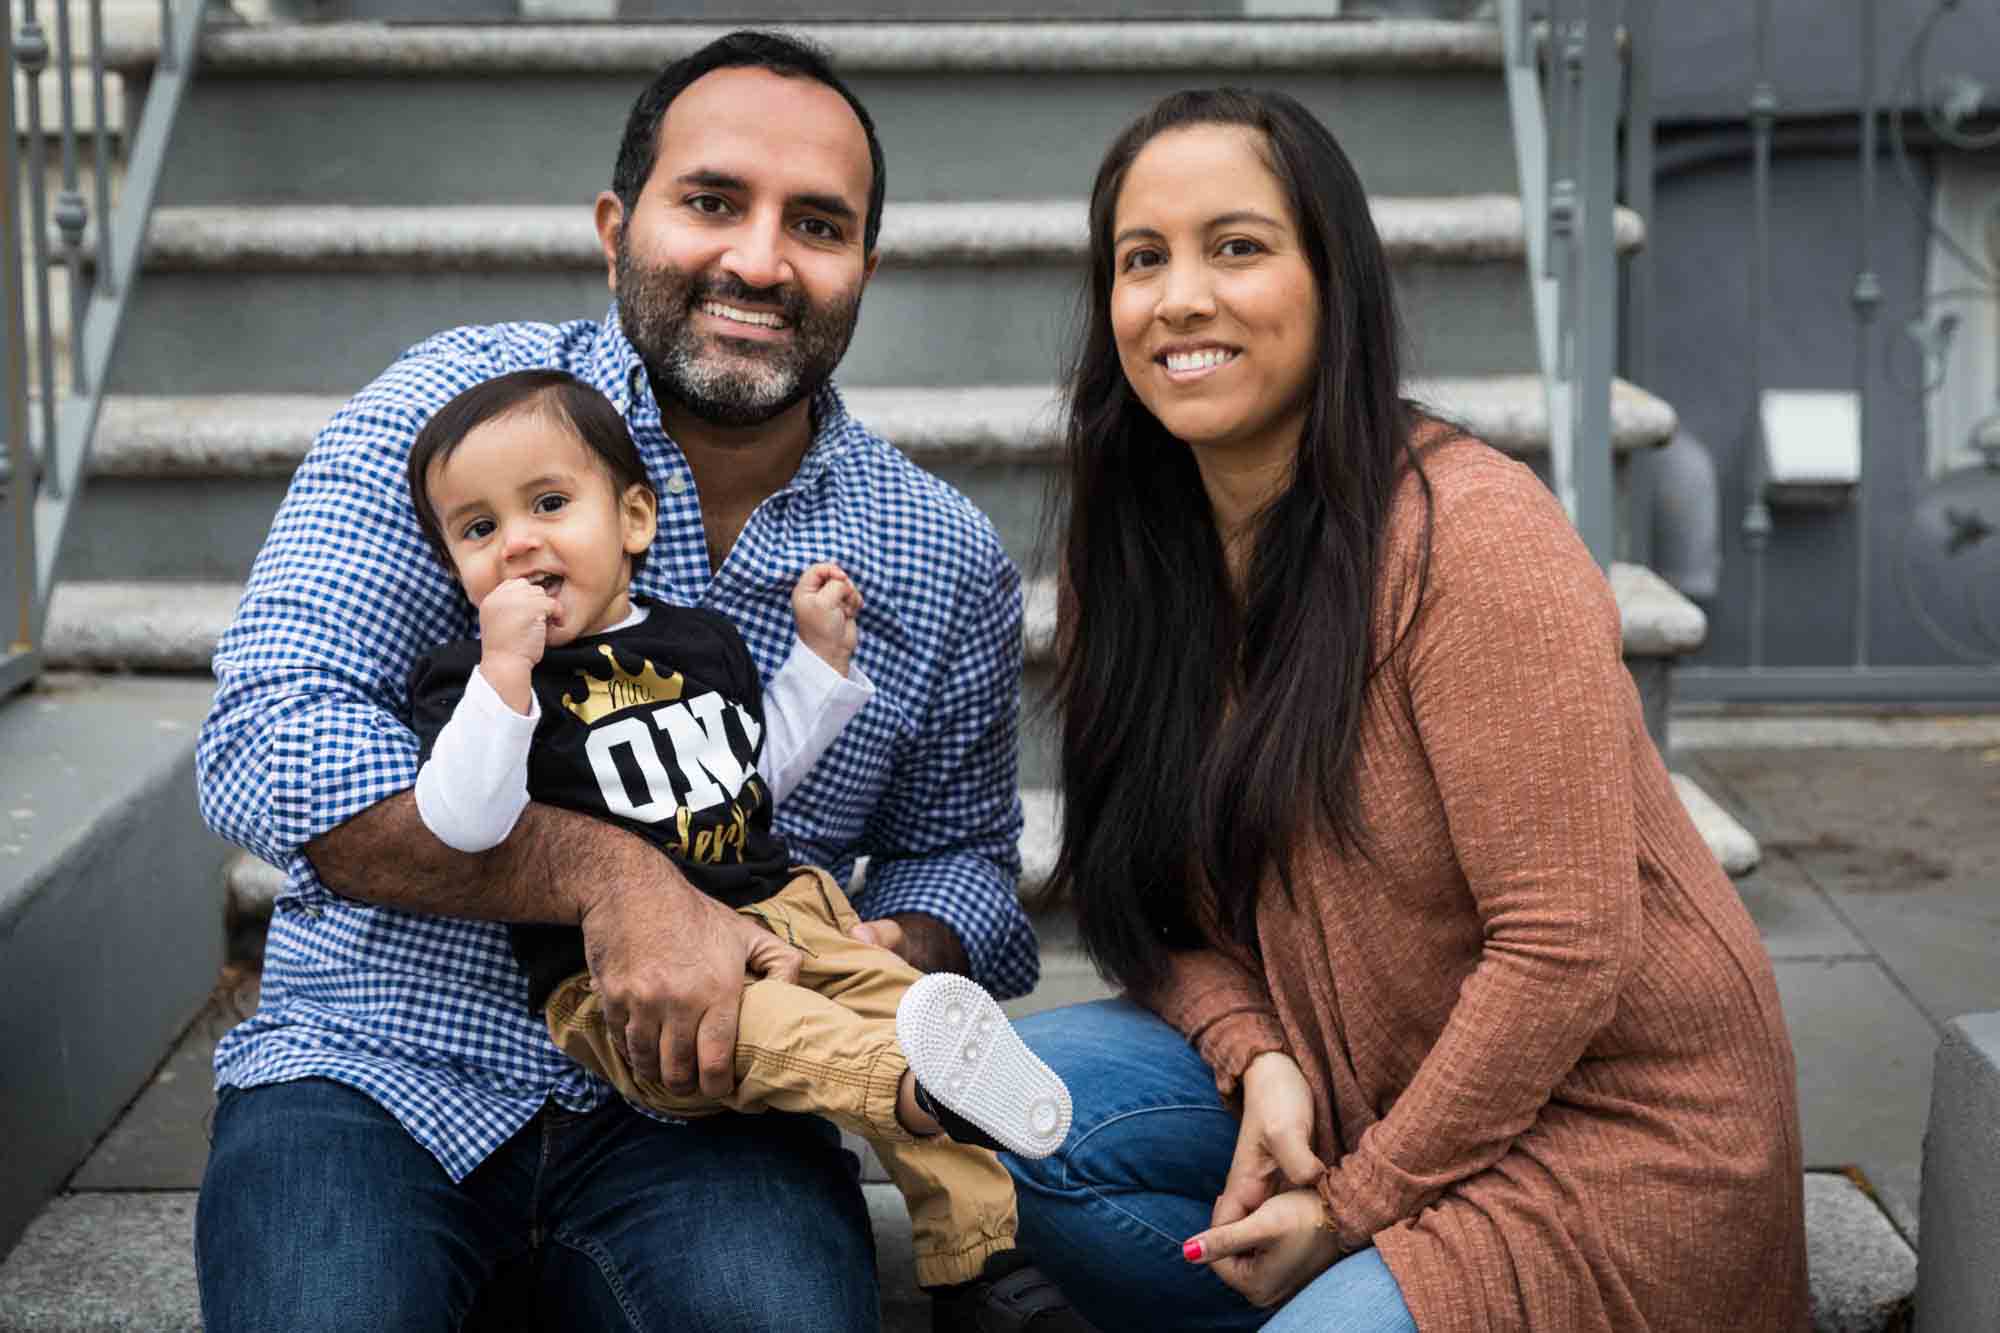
522 497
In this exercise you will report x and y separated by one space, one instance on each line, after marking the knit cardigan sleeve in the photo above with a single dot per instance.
1515 682
1222 1007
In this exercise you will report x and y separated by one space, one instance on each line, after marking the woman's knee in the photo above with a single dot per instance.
1146 1113
1358 1294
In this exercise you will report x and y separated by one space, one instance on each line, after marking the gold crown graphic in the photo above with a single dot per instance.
601 698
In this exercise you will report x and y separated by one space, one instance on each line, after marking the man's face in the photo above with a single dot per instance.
739 272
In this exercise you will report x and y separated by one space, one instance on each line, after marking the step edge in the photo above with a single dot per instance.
997 46
1446 230
267 435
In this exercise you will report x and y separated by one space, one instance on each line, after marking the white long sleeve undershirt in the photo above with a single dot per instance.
473 788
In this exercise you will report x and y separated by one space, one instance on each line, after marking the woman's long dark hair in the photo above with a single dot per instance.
1200 734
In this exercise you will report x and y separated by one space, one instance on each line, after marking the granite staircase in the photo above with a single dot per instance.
339 192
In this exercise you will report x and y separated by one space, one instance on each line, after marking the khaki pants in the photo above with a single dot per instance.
827 1046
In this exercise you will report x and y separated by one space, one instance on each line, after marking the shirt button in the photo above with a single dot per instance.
676 483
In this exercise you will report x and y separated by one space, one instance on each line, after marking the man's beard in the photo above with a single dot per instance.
742 382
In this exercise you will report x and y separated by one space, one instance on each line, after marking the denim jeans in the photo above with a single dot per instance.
319 1212
1147 1154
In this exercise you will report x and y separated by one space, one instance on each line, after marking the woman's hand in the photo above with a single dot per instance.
1268 1256
1274 1146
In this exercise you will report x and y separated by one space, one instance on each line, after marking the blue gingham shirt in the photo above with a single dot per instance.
428 1014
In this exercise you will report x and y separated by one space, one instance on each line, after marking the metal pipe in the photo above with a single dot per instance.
1594 334
166 34
100 153
1636 351
1867 299
72 214
20 456
32 54
1757 513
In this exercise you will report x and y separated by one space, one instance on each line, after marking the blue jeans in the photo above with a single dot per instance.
1147 1154
319 1212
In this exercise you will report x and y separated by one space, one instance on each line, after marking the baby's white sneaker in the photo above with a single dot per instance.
972 1068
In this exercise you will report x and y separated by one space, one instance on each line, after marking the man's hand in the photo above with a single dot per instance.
1274 1146
514 622
923 941
669 963
1268 1256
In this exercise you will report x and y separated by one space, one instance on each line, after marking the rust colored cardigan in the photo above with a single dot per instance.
1541 1030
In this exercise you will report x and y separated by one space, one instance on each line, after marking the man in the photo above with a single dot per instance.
393 1125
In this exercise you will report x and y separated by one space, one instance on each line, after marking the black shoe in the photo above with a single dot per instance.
1010 1295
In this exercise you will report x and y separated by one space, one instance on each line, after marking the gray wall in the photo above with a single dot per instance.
1704 53
1696 352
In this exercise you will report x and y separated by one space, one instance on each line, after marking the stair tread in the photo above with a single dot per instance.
1474 228
1214 46
1656 620
173 624
265 435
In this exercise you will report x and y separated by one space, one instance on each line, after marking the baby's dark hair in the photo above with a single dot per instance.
558 396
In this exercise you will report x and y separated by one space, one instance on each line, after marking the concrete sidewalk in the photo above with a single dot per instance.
1878 897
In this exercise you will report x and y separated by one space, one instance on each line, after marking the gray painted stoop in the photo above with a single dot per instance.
337 192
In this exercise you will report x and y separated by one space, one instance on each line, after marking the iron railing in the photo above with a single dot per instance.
1563 93
1887 488
49 425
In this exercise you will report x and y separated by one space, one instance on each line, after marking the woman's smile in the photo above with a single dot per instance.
1186 365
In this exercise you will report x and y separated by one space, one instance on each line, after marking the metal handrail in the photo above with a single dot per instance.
46 456
1566 152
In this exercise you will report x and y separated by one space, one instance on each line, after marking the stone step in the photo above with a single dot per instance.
968 293
98 1261
1439 229
219 464
173 625
532 113
1657 621
160 437
108 896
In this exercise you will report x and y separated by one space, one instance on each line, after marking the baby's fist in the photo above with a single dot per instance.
827 606
514 621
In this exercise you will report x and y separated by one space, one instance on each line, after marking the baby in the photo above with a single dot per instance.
581 694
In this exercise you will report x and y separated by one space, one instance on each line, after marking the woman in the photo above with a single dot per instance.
1442 1015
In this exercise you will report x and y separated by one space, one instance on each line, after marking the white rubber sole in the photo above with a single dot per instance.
968 1056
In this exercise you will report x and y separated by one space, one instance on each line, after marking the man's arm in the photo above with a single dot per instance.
945 861
542 872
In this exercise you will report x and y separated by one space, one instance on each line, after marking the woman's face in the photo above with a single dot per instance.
1212 298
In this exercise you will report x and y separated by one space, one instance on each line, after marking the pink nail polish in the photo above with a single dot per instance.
1191 1251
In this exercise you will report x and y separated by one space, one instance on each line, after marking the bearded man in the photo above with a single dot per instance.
394 1126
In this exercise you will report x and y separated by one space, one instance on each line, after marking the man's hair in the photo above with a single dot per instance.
747 49
559 398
